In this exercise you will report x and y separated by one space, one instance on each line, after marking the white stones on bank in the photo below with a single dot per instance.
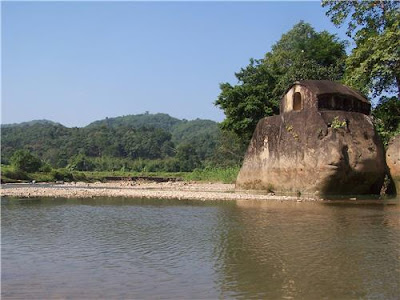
165 190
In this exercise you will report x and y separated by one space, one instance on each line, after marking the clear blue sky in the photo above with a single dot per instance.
76 62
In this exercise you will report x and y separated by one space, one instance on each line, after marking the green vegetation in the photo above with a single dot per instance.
212 174
224 175
24 161
336 123
124 146
132 143
387 118
302 53
202 149
372 67
374 64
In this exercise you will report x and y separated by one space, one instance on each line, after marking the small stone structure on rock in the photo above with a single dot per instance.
393 161
323 142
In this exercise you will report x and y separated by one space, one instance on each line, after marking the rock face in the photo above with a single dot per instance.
318 152
393 160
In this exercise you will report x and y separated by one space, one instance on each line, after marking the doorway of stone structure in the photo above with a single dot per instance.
297 105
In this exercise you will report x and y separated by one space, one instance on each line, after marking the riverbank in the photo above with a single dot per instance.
162 190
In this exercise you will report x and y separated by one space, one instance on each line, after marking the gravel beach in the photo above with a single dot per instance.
164 190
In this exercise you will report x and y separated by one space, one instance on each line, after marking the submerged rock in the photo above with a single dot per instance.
393 160
313 147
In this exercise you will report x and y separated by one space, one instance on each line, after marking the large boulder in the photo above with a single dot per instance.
393 160
318 152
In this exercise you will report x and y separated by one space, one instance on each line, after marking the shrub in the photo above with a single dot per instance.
79 176
24 161
12 173
225 175
61 174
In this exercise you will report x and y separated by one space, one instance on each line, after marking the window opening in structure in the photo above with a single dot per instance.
297 101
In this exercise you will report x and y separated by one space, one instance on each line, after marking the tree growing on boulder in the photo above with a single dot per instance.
302 53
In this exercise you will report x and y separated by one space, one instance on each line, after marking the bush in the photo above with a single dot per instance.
79 176
45 168
24 161
387 118
188 158
14 174
62 175
81 163
225 175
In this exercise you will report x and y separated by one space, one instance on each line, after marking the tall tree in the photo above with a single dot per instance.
302 53
374 64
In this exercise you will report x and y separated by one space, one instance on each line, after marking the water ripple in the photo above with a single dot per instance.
127 248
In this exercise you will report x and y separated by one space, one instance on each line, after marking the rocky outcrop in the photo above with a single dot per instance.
393 160
318 152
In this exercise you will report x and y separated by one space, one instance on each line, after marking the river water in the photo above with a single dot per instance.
133 249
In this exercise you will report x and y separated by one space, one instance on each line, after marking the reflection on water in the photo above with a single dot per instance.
130 248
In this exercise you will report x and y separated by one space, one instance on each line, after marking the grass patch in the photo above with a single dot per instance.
10 174
224 175
210 174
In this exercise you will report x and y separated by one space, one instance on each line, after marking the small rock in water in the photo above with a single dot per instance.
353 198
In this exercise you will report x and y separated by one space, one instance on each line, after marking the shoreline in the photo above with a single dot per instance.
146 190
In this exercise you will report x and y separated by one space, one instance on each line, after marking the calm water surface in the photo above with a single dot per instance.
129 248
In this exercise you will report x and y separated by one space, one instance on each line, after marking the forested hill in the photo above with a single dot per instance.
143 136
30 123
159 120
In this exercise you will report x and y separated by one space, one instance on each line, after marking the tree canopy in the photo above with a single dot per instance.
374 64
128 142
25 161
387 114
300 54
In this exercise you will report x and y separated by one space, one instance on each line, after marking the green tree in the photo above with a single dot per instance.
187 157
229 147
300 54
81 163
23 160
374 64
387 117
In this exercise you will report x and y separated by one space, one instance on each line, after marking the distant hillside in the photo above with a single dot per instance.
163 121
30 123
144 136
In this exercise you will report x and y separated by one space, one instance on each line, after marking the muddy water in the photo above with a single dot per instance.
129 248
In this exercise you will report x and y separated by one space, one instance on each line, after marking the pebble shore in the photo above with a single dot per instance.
164 190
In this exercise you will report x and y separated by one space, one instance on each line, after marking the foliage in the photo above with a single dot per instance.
374 64
23 160
201 134
10 174
61 175
387 118
80 163
300 54
163 121
229 151
224 175
211 174
187 157
336 123
128 142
